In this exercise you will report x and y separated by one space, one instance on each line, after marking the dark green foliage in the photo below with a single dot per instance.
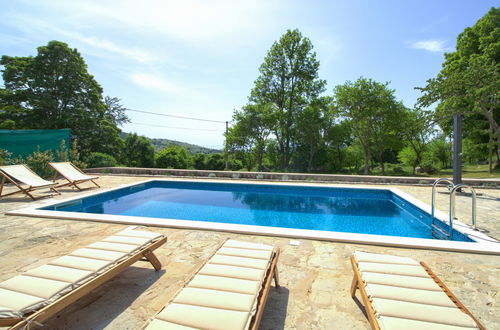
199 161
99 159
138 151
235 164
215 161
173 157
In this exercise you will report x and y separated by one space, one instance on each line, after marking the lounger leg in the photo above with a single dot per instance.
276 277
1 186
98 186
354 286
148 254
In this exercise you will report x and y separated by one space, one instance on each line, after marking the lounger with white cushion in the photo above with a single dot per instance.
43 291
228 292
22 174
400 293
73 174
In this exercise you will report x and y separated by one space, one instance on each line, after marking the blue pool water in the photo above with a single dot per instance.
365 211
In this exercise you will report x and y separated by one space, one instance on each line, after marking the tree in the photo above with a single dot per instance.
251 129
199 161
215 161
468 82
54 90
289 82
373 112
173 157
138 151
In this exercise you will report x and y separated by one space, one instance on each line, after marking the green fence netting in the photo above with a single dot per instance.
25 142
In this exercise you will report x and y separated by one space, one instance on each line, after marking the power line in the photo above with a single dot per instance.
175 116
186 128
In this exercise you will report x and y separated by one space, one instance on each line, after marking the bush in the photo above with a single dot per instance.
173 157
398 170
235 164
199 161
99 159
5 157
39 162
215 161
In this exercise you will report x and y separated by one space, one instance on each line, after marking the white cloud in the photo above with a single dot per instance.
430 45
154 82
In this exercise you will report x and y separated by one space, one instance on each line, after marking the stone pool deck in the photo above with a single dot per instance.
315 276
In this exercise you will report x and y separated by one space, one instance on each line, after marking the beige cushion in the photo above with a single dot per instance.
204 317
65 274
225 284
258 254
383 258
99 254
421 312
35 286
247 245
157 324
411 295
411 282
243 273
81 263
13 302
139 233
239 261
127 240
215 299
117 247
394 323
397 269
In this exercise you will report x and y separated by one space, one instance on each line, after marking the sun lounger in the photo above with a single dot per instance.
228 292
73 174
400 293
22 174
34 296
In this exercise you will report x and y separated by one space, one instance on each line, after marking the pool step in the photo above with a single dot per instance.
440 233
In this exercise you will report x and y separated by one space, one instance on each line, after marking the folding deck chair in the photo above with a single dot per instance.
22 174
228 292
400 293
73 174
34 296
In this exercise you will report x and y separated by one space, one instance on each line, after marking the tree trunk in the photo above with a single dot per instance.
367 161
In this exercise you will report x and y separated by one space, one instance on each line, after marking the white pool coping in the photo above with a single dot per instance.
483 244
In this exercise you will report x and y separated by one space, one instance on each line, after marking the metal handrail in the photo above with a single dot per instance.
433 202
452 198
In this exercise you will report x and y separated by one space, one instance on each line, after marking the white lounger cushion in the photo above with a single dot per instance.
41 286
223 294
404 296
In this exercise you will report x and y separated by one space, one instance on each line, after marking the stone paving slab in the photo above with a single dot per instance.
315 276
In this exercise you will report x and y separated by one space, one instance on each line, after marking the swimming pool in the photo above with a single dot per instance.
382 216
364 211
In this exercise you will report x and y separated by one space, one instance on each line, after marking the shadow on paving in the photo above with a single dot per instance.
275 311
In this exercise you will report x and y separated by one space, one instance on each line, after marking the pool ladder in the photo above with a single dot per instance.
437 230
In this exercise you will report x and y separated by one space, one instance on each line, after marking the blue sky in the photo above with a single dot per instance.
200 58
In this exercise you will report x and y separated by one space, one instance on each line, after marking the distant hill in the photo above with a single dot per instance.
160 144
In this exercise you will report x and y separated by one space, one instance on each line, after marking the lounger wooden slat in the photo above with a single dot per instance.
72 174
418 300
138 252
224 294
22 174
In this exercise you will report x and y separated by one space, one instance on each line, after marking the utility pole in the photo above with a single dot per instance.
457 149
225 146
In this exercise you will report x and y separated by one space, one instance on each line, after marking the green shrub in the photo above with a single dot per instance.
5 157
215 161
235 164
173 157
199 161
39 162
99 159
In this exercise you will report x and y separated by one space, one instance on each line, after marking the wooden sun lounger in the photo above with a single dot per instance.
72 174
24 175
416 297
228 292
77 274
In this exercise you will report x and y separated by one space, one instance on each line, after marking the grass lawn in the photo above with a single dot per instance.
469 171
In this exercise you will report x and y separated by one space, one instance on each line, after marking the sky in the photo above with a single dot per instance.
199 59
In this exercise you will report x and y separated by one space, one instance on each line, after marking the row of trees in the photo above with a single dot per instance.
288 124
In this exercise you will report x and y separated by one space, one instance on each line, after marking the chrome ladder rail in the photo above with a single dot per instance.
452 211
437 231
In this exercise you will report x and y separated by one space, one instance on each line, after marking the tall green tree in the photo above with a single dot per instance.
55 90
373 112
469 81
289 81
138 151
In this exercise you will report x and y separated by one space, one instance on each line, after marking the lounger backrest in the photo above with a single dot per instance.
224 293
43 285
23 174
67 170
